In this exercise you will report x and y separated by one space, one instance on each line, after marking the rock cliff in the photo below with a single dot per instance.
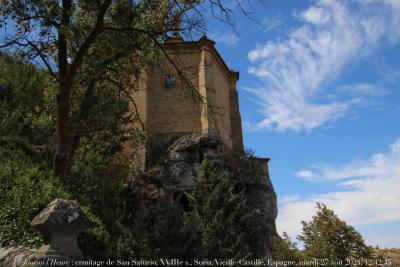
180 169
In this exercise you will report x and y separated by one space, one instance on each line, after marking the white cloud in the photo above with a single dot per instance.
272 23
288 199
306 174
315 15
370 194
363 89
396 146
228 39
296 72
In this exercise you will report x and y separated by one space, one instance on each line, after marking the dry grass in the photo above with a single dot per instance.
393 254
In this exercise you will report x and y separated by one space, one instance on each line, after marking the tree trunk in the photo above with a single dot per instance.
67 72
62 158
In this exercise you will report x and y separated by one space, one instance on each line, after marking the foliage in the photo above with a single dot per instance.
85 45
95 242
25 189
26 105
96 183
285 249
27 136
229 227
161 232
328 237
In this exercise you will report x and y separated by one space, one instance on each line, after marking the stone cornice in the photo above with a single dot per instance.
178 44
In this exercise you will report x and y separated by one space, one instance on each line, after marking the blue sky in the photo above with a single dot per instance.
320 94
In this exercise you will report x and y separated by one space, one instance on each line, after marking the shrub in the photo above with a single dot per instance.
25 189
161 232
229 226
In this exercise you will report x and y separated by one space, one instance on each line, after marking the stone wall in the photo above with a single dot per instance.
173 109
217 87
236 121
209 107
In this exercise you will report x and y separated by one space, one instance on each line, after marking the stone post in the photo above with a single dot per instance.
60 223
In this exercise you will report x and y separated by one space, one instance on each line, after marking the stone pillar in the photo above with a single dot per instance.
60 223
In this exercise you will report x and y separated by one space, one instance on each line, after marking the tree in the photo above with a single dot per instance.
75 39
161 232
285 249
84 44
24 98
26 141
230 228
331 239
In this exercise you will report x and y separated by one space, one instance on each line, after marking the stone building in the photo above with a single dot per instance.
193 94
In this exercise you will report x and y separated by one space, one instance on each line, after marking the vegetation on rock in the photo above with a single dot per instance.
229 227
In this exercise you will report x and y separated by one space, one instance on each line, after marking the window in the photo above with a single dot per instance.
170 81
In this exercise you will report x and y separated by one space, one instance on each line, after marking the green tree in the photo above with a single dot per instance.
285 249
163 231
84 44
328 237
26 105
27 135
229 227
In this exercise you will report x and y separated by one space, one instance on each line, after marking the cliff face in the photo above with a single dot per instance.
180 169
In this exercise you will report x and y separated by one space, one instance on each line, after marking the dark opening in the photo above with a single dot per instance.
183 201
201 155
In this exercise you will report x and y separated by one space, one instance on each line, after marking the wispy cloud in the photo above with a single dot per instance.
370 193
288 199
271 23
229 39
296 71
306 174
362 89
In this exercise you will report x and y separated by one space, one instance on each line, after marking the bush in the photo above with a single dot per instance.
97 182
25 189
229 226
95 242
161 232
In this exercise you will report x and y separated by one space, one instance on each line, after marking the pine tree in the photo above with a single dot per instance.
161 232
229 227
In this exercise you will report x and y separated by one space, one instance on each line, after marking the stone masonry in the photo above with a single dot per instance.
194 94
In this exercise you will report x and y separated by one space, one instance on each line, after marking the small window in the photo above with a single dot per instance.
170 81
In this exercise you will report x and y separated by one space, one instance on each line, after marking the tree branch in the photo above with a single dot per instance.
76 63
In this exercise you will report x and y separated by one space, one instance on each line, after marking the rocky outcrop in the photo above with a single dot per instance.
184 158
179 172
